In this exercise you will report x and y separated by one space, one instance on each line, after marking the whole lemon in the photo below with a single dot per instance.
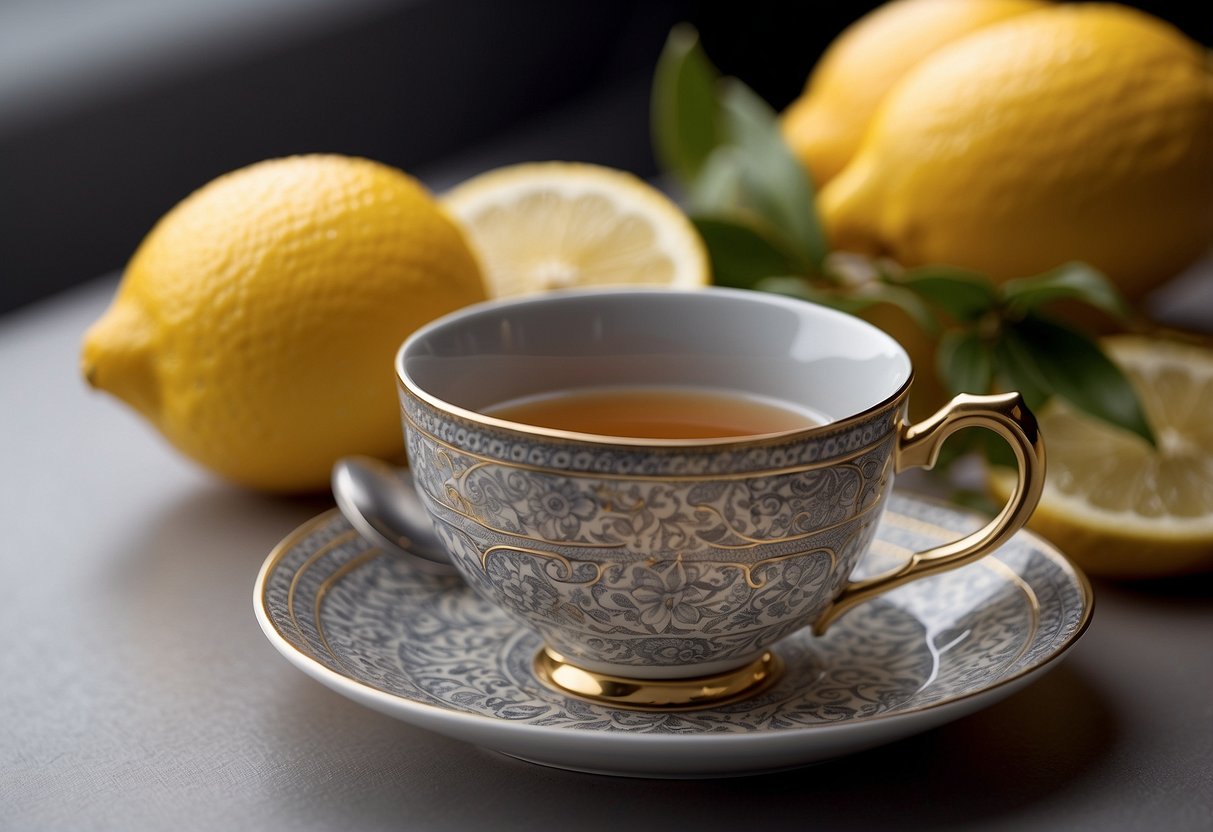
825 125
256 324
1077 132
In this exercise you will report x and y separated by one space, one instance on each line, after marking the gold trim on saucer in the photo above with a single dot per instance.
562 676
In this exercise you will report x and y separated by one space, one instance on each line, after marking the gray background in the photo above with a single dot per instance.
136 690
111 111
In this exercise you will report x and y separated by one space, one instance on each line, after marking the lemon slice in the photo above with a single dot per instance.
1117 506
554 225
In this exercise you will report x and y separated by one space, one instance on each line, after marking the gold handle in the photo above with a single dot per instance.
918 447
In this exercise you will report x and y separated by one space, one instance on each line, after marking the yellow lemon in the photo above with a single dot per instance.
256 324
825 124
1077 132
553 225
1117 506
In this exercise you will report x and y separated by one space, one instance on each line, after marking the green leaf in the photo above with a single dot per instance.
684 113
742 254
723 190
775 184
794 286
843 299
1073 281
1072 365
963 294
718 187
976 500
996 450
1016 370
965 362
902 298
964 443
804 289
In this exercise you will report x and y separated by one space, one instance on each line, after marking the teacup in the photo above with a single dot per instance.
659 572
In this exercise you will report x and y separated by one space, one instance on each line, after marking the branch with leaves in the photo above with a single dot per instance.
754 206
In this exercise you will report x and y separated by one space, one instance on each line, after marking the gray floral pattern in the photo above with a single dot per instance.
503 446
582 509
587 604
435 642
616 558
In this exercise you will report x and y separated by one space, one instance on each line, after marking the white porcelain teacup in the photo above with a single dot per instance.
659 572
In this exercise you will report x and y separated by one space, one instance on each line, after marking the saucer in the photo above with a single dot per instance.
429 651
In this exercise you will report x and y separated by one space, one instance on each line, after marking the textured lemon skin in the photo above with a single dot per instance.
1077 132
256 324
825 125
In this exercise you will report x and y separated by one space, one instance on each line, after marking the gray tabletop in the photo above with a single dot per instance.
137 691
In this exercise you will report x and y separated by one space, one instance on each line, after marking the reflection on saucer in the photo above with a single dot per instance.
428 650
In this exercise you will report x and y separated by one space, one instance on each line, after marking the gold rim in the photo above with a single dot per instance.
305 660
637 443
475 418
563 676
840 459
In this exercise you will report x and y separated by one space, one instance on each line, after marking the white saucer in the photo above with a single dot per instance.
425 649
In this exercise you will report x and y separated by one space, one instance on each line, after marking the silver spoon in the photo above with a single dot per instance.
385 509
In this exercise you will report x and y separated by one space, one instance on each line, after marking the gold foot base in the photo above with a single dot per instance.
555 671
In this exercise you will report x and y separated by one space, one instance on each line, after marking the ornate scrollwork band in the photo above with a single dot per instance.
635 556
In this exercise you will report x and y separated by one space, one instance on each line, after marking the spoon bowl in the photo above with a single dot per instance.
383 505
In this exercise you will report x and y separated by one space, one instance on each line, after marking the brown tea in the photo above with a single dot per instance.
656 413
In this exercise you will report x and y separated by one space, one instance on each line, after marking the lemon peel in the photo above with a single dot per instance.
826 124
1076 132
256 323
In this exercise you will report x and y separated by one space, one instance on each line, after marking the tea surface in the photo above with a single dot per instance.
656 413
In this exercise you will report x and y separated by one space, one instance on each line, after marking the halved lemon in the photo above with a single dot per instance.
554 225
1117 506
